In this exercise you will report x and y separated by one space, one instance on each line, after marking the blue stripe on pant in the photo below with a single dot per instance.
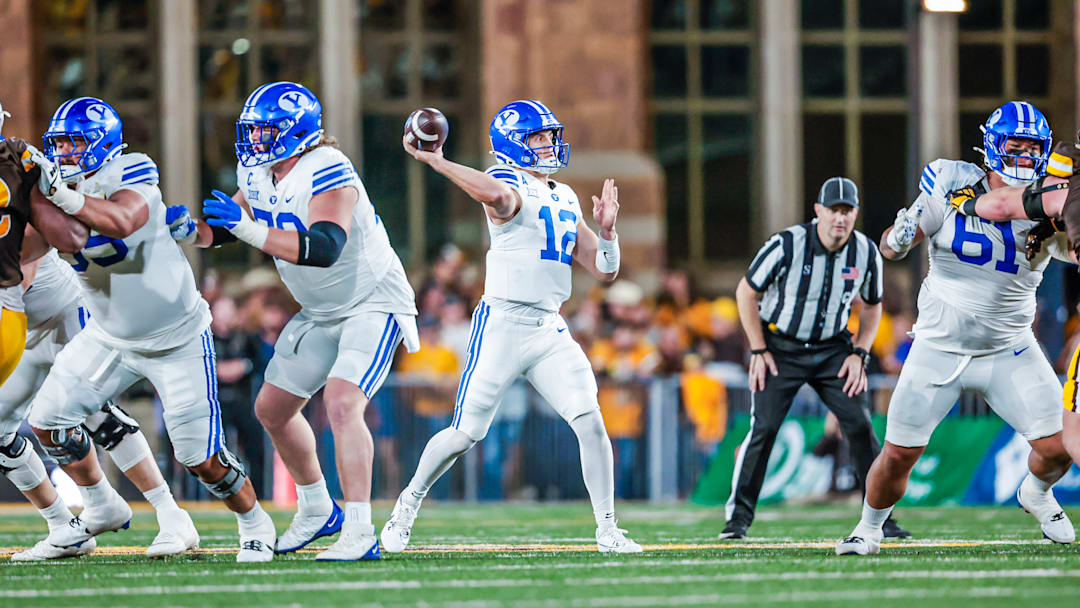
480 322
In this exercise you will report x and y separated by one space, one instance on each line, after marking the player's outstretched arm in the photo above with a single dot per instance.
54 227
330 214
599 254
501 200
1045 198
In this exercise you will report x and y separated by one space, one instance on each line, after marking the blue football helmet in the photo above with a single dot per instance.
1016 119
279 120
510 131
92 121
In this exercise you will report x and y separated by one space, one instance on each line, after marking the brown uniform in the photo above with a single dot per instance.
15 187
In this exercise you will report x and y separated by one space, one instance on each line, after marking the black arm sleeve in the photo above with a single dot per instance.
321 245
221 236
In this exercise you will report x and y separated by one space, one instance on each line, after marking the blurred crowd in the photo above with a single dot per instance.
631 336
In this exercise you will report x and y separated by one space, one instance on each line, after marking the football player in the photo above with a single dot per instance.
147 320
973 331
55 313
537 231
301 201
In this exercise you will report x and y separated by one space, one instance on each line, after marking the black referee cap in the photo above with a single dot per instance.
838 191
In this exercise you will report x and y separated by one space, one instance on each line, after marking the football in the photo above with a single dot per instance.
426 129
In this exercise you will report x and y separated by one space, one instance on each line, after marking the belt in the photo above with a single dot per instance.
533 321
776 333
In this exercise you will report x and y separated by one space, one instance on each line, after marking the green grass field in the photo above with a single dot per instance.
541 555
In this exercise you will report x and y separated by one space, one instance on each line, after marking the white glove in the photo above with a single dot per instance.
51 182
904 228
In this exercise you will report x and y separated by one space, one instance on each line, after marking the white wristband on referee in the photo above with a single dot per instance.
607 254
68 200
251 232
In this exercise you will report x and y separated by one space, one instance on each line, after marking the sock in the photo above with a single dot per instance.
597 466
57 514
314 499
98 494
441 451
358 518
161 498
1035 485
252 517
872 519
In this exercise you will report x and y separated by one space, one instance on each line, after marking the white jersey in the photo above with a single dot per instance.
979 294
54 290
530 258
140 290
368 276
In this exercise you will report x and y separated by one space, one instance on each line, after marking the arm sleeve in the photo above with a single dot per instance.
321 245
873 287
768 263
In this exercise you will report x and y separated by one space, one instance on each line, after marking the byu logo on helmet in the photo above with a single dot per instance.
1016 120
87 123
510 131
279 120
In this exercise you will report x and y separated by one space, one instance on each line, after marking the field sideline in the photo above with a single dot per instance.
542 555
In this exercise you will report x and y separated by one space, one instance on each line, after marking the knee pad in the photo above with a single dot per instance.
234 478
15 451
109 427
72 445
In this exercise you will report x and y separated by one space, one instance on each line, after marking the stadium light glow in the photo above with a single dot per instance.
945 6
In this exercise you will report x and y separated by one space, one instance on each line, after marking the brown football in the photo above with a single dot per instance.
426 129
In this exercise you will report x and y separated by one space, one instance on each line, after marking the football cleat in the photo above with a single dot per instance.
177 535
891 529
43 550
734 530
395 534
859 545
112 517
352 546
613 540
305 529
1046 510
257 541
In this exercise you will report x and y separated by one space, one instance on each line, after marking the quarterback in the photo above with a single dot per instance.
537 231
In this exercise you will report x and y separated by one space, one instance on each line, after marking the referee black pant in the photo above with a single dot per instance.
799 363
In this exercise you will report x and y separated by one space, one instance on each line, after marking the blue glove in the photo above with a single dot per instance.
222 210
181 227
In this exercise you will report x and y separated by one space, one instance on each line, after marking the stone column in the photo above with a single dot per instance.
938 92
781 115
17 73
339 84
588 61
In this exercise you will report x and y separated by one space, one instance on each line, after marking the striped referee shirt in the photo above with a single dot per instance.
808 289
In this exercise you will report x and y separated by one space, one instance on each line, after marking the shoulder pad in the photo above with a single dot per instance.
506 173
942 176
329 168
135 168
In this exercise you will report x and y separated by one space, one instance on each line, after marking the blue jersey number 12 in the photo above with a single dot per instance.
570 236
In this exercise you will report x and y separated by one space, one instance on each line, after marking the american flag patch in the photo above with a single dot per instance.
849 273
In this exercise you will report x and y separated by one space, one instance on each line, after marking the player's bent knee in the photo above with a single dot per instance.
108 427
65 446
898 456
20 463
210 474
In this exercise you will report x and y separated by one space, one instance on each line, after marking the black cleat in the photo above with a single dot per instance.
734 530
891 529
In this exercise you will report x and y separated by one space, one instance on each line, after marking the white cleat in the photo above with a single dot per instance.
395 534
351 547
111 517
613 540
859 545
177 535
1046 510
307 528
43 551
257 541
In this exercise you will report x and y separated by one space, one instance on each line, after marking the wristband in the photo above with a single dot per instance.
759 351
250 231
863 354
607 254
68 200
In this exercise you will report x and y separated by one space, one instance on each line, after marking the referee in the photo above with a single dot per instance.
806 277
